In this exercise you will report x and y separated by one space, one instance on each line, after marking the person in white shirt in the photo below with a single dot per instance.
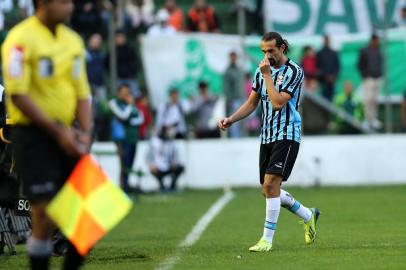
27 8
172 114
5 6
164 158
161 27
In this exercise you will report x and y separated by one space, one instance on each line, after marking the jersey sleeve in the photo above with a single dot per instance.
79 67
294 79
256 81
16 66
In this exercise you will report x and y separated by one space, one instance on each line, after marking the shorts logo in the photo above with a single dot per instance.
278 165
16 62
46 67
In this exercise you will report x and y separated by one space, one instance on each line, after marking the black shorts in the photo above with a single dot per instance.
41 165
277 158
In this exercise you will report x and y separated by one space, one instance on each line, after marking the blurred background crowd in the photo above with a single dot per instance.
112 31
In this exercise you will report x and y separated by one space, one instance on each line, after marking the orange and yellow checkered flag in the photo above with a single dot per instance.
88 205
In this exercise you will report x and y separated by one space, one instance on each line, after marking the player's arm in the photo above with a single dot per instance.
278 99
246 109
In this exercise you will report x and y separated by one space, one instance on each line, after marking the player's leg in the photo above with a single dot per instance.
309 215
294 206
39 245
271 192
264 159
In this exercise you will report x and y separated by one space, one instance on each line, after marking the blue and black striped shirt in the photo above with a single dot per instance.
284 124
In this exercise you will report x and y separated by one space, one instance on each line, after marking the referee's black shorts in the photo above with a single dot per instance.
277 158
40 163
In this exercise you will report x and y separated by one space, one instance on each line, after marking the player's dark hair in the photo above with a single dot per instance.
278 39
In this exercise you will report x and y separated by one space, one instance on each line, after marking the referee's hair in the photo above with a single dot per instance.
278 38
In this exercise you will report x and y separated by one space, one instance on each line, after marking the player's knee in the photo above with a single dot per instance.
271 185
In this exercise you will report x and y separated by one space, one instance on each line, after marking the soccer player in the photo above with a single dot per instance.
277 85
47 88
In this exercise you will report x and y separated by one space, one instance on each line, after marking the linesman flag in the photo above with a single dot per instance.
88 205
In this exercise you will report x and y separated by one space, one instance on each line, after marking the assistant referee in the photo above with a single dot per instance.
47 90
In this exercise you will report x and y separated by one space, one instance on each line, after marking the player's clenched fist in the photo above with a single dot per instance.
225 123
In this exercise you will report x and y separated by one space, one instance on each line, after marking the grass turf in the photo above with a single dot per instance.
359 228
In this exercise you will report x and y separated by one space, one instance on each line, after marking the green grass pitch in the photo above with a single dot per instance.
359 228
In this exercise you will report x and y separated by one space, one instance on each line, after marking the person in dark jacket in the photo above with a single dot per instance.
86 18
328 66
95 65
370 66
127 64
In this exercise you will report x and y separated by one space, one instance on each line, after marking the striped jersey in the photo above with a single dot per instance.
284 124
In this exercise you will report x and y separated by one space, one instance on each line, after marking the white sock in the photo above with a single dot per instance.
294 206
273 207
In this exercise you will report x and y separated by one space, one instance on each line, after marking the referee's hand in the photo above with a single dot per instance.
225 123
66 138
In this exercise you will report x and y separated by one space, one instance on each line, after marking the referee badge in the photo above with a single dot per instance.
16 62
76 67
279 80
46 67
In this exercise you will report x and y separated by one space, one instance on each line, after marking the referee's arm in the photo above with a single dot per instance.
63 136
83 107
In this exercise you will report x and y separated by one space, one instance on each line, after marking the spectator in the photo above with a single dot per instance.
203 108
310 69
403 116
95 63
233 87
127 64
140 14
86 17
164 158
349 103
202 18
5 6
26 7
161 27
370 63
402 21
143 106
175 14
328 66
125 124
172 114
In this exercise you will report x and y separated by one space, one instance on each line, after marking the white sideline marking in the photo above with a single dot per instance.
197 230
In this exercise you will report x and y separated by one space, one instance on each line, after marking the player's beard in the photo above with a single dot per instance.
272 61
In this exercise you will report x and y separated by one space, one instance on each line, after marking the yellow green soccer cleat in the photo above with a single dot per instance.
261 246
310 227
